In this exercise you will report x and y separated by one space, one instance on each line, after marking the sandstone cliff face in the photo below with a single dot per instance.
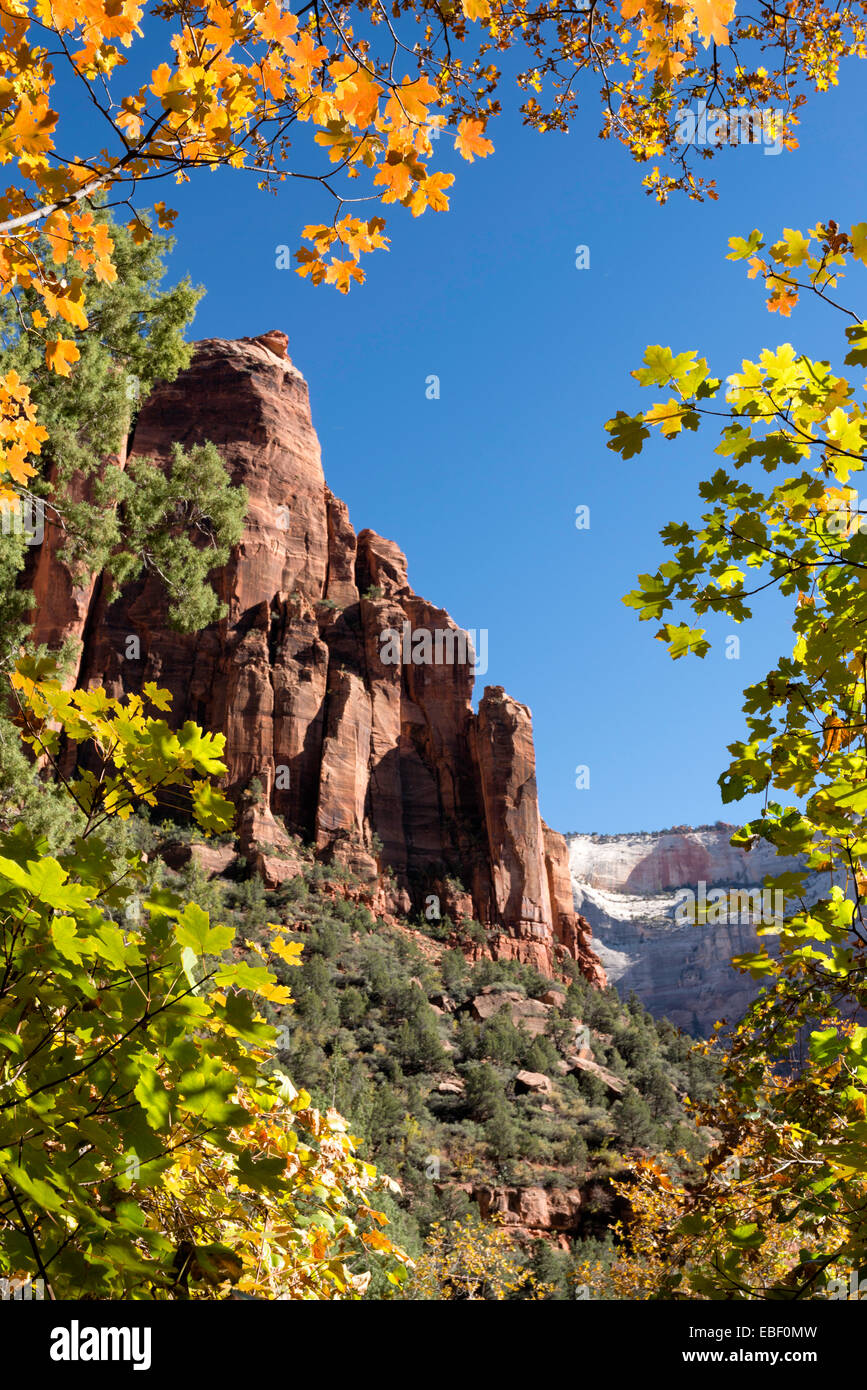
381 763
626 886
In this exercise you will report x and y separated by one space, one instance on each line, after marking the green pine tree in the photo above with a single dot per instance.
181 524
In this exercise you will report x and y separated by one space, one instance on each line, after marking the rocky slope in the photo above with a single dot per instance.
473 1083
626 886
382 765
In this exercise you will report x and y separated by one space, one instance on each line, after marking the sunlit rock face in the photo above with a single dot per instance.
629 888
376 758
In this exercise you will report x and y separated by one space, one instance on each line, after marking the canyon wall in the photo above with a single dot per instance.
626 887
379 762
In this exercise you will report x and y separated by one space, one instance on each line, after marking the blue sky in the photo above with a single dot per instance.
480 487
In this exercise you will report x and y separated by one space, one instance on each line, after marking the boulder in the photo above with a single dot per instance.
276 870
533 1082
451 1086
616 1086
211 859
529 1014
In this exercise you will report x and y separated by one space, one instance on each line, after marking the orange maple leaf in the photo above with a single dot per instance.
277 25
30 130
14 461
342 273
395 174
470 140
57 233
139 230
713 18
165 216
416 96
783 302
431 194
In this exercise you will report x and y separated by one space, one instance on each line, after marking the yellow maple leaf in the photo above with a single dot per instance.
70 304
105 271
415 97
668 416
288 951
57 234
161 77
159 697
858 237
60 353
476 9
357 94
793 249
843 431
14 462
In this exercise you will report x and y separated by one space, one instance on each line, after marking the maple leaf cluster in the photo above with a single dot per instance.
366 89
783 511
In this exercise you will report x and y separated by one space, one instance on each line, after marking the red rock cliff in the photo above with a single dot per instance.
381 763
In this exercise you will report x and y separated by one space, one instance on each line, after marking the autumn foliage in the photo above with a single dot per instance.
152 1039
783 512
150 1145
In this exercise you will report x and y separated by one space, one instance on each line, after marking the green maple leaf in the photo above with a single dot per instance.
212 810
742 247
194 930
628 433
682 639
66 939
